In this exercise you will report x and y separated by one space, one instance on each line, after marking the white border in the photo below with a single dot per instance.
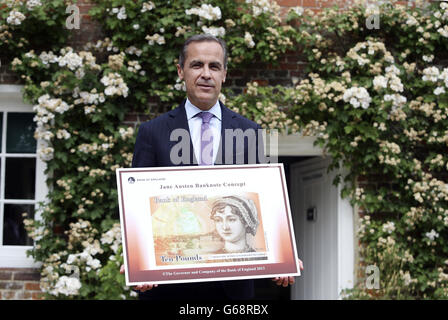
286 197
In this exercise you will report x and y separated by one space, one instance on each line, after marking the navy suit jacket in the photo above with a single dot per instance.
153 149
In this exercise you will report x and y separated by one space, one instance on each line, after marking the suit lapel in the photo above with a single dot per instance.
228 117
227 122
178 120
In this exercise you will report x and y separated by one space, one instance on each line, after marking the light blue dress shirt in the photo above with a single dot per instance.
195 123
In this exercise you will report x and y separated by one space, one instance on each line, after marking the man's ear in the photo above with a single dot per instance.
180 72
225 75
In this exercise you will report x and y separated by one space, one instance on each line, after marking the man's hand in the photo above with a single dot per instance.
286 281
142 287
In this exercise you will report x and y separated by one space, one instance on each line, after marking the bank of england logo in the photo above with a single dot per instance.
131 180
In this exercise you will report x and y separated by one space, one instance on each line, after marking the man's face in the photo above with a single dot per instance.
203 73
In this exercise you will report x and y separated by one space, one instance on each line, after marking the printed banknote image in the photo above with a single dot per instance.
196 228
205 223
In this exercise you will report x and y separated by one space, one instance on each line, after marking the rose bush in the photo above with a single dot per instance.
376 99
81 98
153 32
32 24
78 116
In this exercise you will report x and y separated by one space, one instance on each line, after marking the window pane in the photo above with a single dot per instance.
14 233
20 133
20 178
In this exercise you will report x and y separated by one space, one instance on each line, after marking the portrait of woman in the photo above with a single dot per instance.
234 218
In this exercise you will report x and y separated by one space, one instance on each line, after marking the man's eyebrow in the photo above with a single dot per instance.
216 63
213 63
193 62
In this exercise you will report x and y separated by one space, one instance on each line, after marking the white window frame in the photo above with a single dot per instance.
11 100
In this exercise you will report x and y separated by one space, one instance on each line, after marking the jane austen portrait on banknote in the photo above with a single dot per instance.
235 218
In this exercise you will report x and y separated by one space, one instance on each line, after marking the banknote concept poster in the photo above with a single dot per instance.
206 223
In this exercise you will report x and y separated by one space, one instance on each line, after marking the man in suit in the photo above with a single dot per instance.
201 130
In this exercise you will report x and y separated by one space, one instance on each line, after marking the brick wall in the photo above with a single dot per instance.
19 284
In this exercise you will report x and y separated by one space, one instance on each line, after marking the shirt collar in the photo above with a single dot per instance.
192 110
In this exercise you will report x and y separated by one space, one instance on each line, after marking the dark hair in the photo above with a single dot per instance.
201 38
219 207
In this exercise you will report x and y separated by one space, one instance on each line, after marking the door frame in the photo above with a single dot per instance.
345 220
11 100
